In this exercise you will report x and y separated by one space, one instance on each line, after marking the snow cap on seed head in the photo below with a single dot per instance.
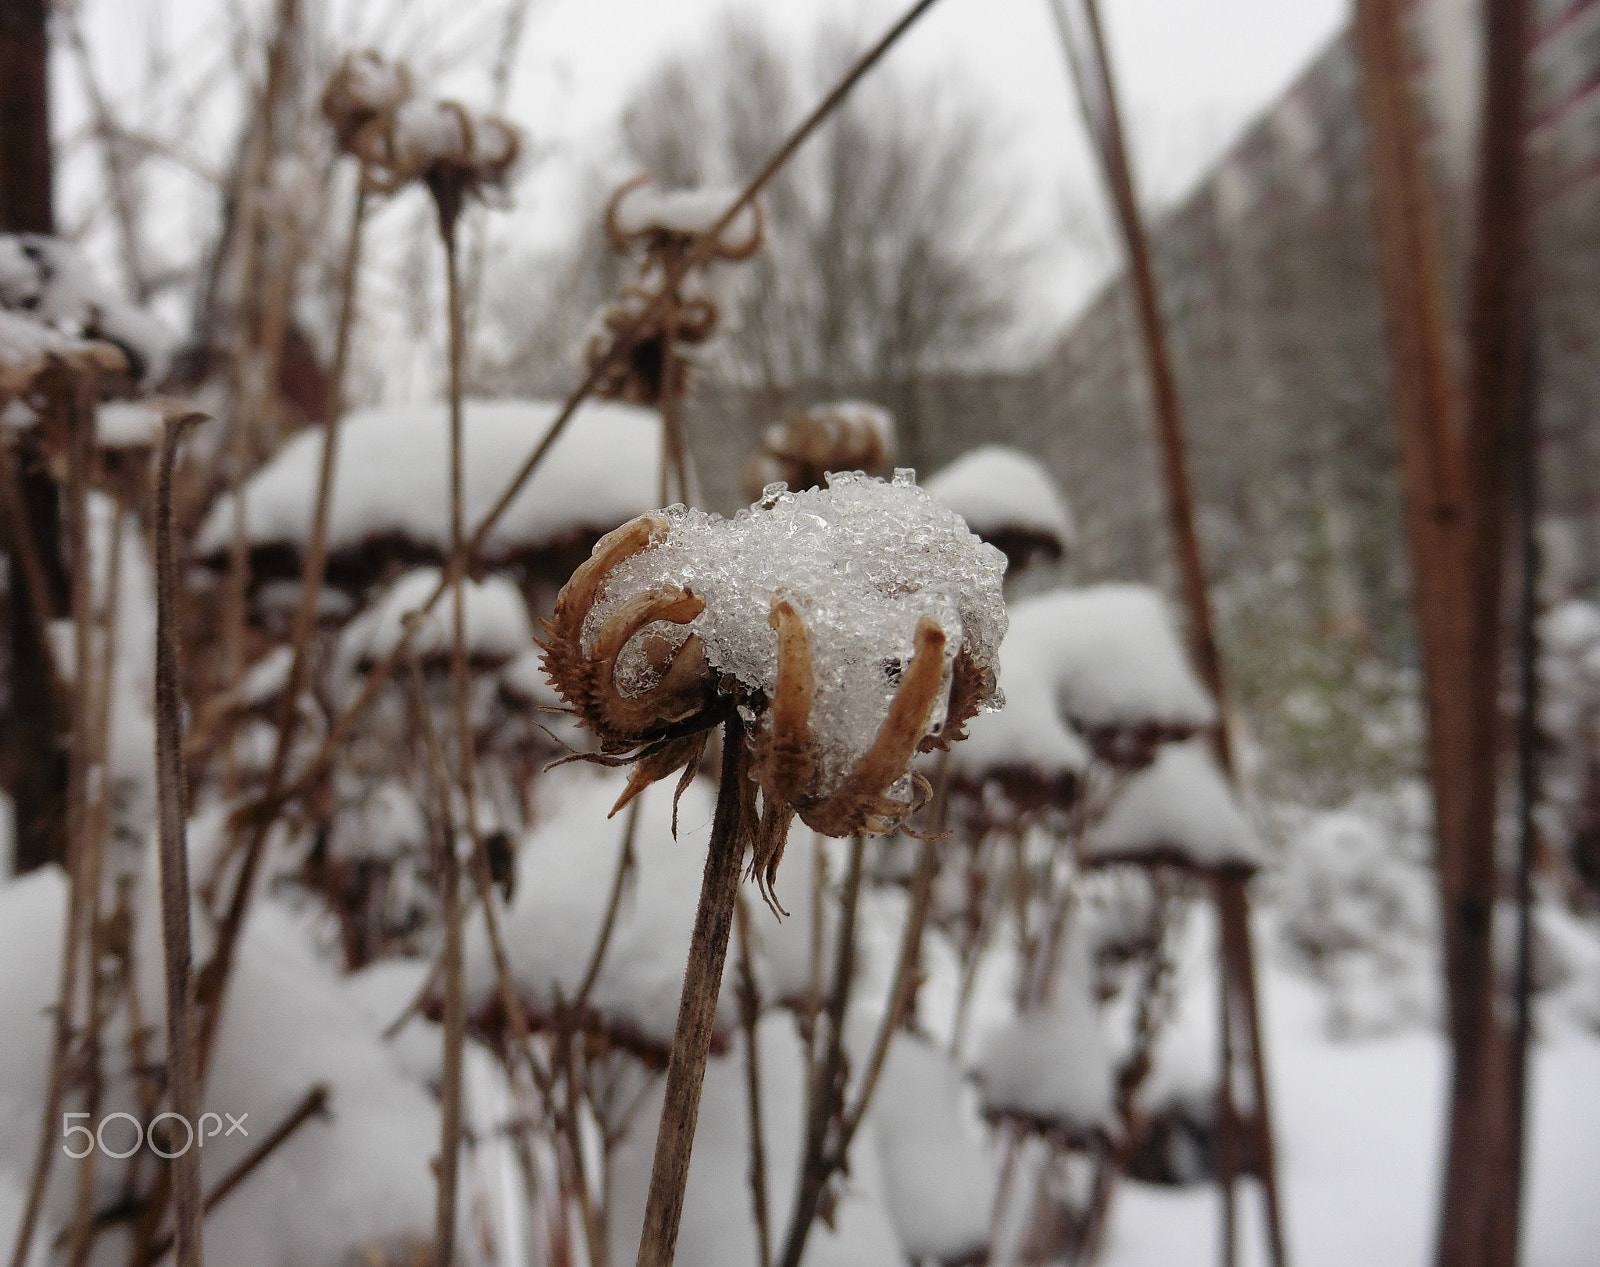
851 626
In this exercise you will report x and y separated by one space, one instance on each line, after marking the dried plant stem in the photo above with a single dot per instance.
448 971
749 1017
972 952
214 977
459 561
448 1162
813 1000
826 1096
903 992
572 1127
697 1011
516 1017
626 864
312 1104
97 823
449 207
183 1064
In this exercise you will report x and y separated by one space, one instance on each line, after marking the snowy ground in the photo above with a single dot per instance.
1359 1129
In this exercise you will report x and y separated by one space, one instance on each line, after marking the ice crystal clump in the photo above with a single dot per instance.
862 561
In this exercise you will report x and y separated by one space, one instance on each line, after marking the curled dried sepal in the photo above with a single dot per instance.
785 765
861 803
672 706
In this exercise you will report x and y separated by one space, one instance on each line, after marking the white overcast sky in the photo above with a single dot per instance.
1192 72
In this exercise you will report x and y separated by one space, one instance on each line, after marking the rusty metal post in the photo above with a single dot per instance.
1096 86
1457 458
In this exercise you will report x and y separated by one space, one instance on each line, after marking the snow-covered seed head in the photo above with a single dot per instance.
360 101
400 136
851 627
661 230
642 219
847 435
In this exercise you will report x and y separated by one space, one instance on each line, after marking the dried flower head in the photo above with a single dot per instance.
849 628
400 136
360 101
847 435
660 230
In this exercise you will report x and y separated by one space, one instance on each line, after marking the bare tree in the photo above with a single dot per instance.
894 249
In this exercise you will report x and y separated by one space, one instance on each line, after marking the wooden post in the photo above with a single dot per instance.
36 764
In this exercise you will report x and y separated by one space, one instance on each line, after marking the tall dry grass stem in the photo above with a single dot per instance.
183 1057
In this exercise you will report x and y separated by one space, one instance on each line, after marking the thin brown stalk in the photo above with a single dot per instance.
214 977
1097 92
446 1166
572 1128
313 1104
251 384
619 884
449 206
697 1010
813 1000
904 990
98 824
516 1018
183 1064
460 560
749 1018
826 1099
510 1000
85 867
510 43
991 904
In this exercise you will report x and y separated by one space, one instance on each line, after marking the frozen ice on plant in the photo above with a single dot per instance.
400 135
127 424
428 133
850 626
1031 736
1179 810
363 87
